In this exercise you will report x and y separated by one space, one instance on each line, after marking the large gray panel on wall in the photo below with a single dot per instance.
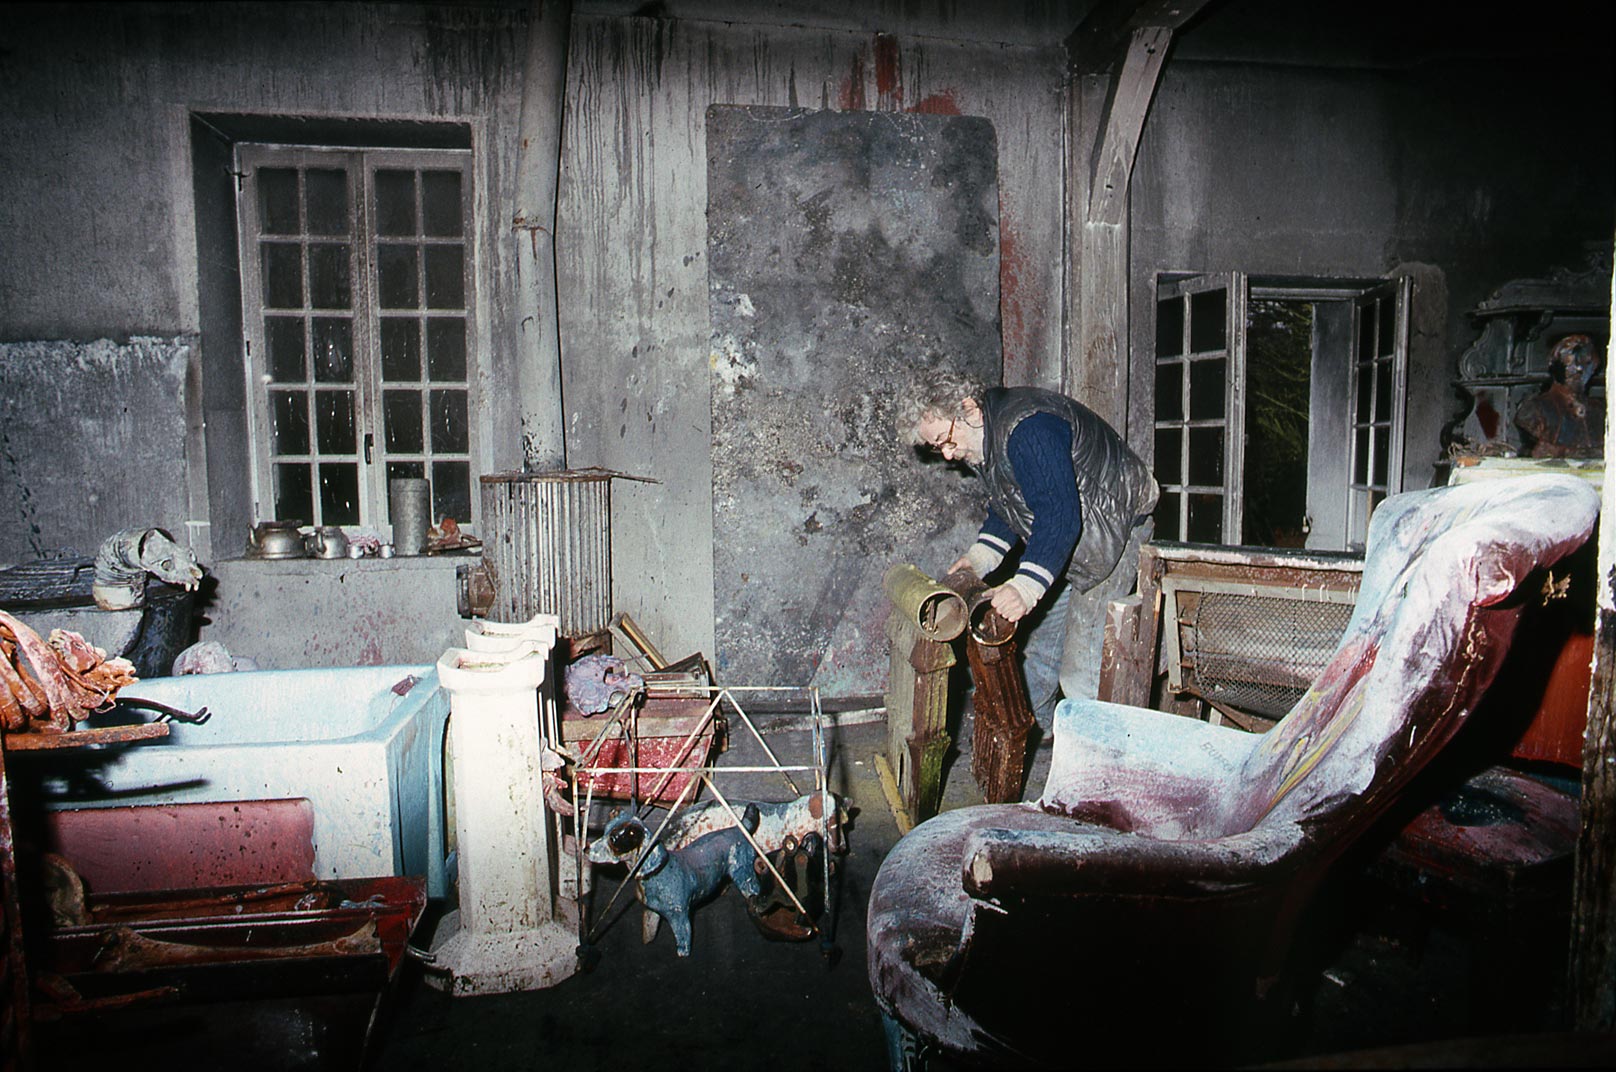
92 440
844 249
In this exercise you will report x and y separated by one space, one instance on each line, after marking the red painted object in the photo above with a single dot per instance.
185 846
667 735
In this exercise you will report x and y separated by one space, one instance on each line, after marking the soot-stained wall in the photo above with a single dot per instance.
844 250
1371 139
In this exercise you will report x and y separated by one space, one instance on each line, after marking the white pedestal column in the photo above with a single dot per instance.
513 934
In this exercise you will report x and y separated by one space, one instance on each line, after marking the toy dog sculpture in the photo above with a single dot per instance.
672 882
794 819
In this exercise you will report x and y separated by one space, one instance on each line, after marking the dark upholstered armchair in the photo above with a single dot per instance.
1143 908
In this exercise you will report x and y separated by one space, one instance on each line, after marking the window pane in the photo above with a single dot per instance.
285 360
451 490
1170 327
294 493
405 470
445 277
277 200
339 493
333 349
1206 456
401 348
395 277
1208 312
334 421
1388 330
1360 456
446 348
327 192
449 425
440 203
1383 390
1366 332
289 422
1167 517
283 275
1366 388
329 283
1170 391
1383 448
1206 519
1206 389
1169 462
401 422
395 202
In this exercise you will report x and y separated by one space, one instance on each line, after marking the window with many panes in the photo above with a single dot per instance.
357 297
1279 407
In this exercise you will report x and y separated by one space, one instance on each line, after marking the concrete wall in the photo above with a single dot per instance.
632 236
117 224
1369 140
115 231
1358 141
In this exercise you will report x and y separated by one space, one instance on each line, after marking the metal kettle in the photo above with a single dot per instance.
275 539
327 541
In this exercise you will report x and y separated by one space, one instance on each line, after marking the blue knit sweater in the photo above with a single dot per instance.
1040 451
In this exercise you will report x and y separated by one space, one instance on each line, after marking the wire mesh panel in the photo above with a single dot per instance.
1256 653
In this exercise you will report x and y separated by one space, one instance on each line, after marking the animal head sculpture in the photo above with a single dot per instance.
126 557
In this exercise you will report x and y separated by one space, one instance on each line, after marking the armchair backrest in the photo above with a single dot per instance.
1434 617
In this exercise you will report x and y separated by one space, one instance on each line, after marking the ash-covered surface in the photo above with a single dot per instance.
844 250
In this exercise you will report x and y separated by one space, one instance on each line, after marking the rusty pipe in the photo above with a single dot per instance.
987 625
935 612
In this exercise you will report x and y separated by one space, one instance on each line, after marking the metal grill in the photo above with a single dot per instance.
1256 653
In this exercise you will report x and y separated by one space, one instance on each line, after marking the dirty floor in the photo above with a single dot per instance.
1387 977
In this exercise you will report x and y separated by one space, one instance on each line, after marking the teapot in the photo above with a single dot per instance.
275 539
327 541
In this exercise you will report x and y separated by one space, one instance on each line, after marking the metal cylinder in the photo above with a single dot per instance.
987 626
409 507
548 543
936 612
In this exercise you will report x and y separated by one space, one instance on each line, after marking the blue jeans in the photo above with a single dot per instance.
1061 648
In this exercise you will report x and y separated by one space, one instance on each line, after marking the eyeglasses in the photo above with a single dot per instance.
947 440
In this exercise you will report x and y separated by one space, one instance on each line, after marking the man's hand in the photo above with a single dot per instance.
1009 603
963 562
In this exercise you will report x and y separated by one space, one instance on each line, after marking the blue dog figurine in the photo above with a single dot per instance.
673 882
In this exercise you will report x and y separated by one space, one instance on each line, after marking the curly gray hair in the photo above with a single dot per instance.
939 391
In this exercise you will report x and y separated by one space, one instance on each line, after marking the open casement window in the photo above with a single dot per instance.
1379 373
1200 410
356 295
1279 408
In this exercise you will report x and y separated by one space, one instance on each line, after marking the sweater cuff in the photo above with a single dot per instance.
1030 588
984 558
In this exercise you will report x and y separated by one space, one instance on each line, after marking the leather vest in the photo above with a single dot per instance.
1114 486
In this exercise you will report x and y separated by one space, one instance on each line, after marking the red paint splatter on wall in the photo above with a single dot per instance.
942 103
888 73
1021 315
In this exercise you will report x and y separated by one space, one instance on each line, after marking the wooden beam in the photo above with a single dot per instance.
1593 896
1118 145
1100 38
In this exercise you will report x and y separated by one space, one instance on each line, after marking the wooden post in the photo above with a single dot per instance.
1593 916
1106 115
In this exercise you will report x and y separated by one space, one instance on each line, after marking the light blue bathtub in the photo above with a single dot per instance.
369 759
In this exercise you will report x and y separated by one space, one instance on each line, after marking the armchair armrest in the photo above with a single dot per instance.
1001 863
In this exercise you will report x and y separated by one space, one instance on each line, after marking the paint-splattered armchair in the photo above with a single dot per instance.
1144 907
